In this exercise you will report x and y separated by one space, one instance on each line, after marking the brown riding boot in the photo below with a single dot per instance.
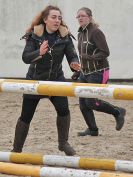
21 132
63 124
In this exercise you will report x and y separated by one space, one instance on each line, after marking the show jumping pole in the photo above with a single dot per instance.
66 161
36 171
118 92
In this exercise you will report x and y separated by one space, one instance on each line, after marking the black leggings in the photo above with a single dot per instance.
29 106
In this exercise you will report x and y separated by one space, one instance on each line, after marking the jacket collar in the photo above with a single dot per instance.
84 28
39 30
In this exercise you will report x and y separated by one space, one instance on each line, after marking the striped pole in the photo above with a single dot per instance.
65 83
61 89
35 171
65 161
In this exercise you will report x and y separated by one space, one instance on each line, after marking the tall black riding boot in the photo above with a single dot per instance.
21 132
63 124
89 118
88 132
118 112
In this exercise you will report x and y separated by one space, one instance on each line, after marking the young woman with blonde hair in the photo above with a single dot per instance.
94 52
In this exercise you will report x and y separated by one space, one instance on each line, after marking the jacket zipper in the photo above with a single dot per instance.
51 61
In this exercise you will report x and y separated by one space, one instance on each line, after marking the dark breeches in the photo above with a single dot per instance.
29 106
87 105
98 78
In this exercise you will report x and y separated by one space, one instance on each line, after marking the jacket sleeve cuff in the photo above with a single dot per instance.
32 57
37 56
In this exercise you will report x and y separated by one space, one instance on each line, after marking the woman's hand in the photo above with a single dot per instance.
76 66
44 47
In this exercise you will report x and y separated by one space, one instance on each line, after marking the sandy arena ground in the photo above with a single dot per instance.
42 138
